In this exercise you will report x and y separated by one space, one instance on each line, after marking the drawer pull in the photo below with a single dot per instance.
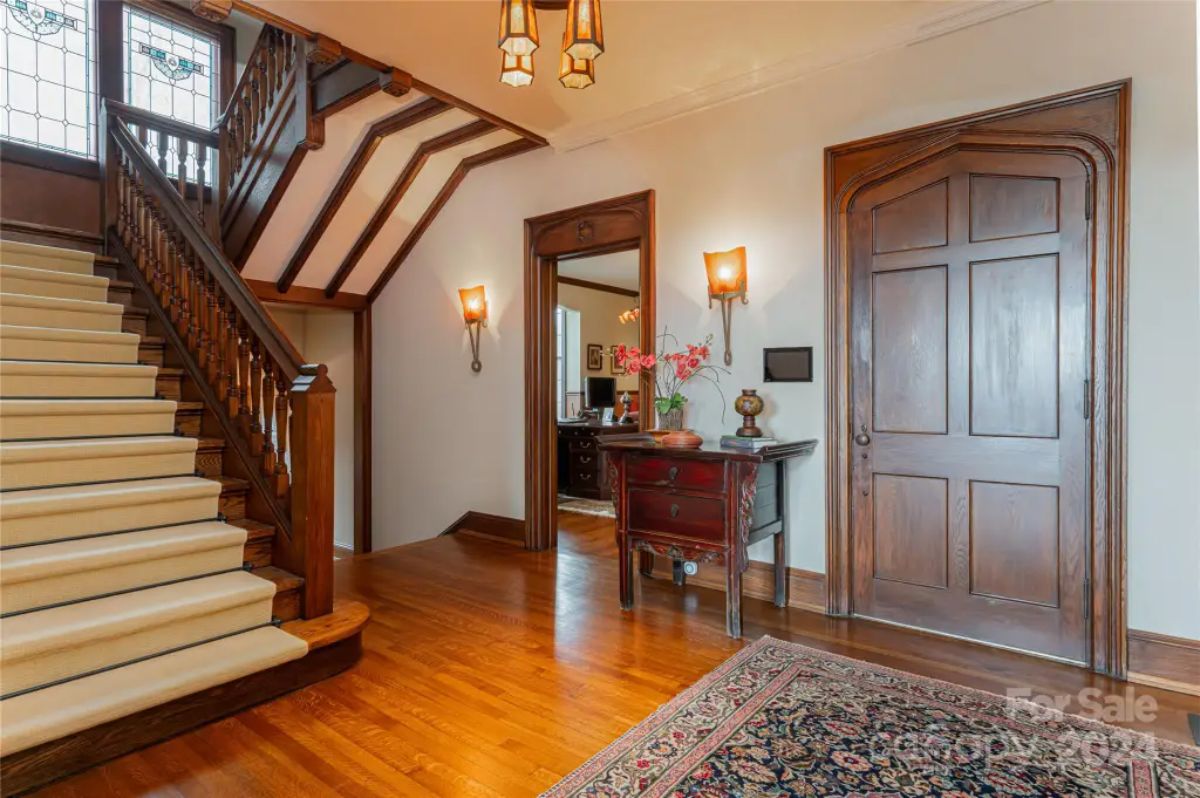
672 472
674 510
585 459
585 444
585 476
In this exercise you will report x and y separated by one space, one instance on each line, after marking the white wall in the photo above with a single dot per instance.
327 336
750 173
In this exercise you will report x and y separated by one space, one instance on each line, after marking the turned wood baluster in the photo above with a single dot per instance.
231 359
268 450
281 434
256 429
215 328
243 381
183 322
172 306
142 212
182 158
123 201
158 279
162 151
201 159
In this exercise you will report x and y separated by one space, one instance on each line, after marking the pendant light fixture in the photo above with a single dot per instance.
516 70
518 27
583 41
575 73
584 37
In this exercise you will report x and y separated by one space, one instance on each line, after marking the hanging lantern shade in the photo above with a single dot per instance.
584 37
518 27
516 70
575 73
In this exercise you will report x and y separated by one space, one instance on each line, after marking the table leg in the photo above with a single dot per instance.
781 580
677 574
733 598
625 570
646 563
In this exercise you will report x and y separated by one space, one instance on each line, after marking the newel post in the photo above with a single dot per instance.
110 165
312 486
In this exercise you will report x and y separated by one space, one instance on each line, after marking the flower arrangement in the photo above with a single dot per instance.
671 371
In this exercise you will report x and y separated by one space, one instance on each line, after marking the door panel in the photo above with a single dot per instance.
969 327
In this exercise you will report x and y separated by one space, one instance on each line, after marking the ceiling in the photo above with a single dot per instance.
662 58
619 269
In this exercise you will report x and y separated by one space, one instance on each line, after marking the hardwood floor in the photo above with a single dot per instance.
492 671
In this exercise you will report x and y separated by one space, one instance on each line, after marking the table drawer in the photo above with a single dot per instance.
672 514
585 461
676 473
582 444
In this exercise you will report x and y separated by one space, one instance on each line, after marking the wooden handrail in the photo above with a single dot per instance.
208 252
139 116
276 409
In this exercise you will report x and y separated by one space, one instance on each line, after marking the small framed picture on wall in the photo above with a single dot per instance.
595 357
613 367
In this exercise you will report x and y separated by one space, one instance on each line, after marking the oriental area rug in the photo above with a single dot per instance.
780 719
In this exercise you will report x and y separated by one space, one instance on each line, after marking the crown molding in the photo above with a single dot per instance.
940 23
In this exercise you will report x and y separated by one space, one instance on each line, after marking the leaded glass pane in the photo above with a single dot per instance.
173 71
47 74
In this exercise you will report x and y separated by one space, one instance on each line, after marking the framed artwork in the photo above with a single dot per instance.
788 364
595 357
612 361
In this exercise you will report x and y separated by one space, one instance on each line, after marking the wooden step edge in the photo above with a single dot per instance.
170 371
346 620
255 530
133 310
283 580
189 407
152 340
231 484
210 444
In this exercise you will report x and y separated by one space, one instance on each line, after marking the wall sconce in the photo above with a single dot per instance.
474 304
726 282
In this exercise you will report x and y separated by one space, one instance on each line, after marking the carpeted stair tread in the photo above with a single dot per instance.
46 282
38 515
40 256
76 314
64 709
39 648
22 342
74 418
68 570
41 463
37 378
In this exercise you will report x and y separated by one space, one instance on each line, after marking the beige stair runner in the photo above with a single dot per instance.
120 586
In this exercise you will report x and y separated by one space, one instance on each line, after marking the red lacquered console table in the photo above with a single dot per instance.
706 504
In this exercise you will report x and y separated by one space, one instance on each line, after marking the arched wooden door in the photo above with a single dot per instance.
969 345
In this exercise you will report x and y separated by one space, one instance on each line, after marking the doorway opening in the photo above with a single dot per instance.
589 287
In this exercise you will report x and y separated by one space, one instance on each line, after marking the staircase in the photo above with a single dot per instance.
127 573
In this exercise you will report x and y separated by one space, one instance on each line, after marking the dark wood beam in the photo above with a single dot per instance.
405 117
612 289
362 431
508 150
453 138
266 291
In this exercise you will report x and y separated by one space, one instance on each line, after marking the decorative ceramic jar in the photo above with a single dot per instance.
748 405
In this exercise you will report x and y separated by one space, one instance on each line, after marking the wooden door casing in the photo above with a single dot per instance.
1092 124
969 335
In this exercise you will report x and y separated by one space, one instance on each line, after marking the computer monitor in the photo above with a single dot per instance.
599 392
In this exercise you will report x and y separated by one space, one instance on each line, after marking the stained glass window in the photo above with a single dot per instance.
47 75
171 70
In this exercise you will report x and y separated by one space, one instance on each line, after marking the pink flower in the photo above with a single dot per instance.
633 366
693 362
648 361
681 370
621 354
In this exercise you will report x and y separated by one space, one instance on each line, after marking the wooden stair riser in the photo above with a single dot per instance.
151 351
121 292
168 383
209 457
134 321
233 501
286 606
189 418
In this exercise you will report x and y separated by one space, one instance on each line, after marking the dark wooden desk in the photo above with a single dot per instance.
582 467
706 504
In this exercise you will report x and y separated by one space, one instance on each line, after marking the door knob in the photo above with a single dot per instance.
672 472
862 438
674 510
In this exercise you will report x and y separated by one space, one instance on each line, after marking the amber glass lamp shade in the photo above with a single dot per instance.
726 272
575 73
516 70
584 36
518 27
474 304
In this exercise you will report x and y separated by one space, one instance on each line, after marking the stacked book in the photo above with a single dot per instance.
753 444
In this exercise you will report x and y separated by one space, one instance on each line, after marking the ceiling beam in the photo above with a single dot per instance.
405 117
508 150
404 181
301 295
612 289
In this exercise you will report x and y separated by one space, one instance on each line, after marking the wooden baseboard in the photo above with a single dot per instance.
1157 660
806 589
486 525
36 767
